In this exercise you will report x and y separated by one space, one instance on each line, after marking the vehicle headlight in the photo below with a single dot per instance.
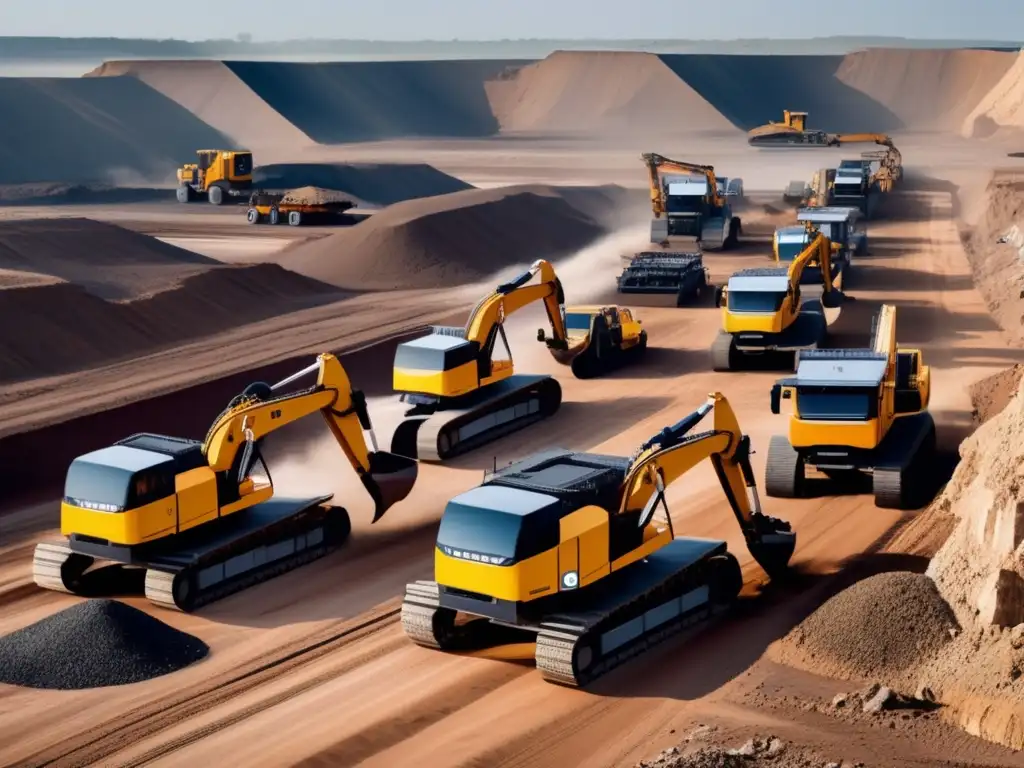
570 580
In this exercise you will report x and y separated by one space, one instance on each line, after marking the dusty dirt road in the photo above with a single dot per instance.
312 668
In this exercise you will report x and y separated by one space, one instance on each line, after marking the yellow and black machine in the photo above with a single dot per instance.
689 201
791 132
202 518
600 339
461 397
218 175
769 310
857 411
837 225
574 549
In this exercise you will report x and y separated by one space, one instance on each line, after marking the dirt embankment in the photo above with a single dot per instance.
602 92
1001 110
96 129
998 267
459 238
82 293
340 102
929 90
369 183
214 94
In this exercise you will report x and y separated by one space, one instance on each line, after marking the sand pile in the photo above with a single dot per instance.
373 184
83 293
1001 108
104 259
758 752
751 90
455 239
875 630
314 196
214 94
597 92
998 267
94 644
932 90
993 393
371 101
96 129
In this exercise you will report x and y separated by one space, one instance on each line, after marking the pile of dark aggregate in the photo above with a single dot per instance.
93 644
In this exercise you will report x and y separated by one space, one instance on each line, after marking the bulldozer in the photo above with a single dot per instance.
857 411
689 202
764 310
460 397
218 175
600 339
202 518
792 131
573 549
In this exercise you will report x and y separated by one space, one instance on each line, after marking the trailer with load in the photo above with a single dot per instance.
309 205
670 272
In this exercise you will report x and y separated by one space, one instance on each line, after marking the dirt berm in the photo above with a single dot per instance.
368 183
97 129
459 238
369 101
97 293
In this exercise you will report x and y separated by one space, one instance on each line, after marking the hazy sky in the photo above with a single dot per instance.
497 19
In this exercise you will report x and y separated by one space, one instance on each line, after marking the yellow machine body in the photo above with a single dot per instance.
230 166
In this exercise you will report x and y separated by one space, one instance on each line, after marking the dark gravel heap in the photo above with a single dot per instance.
879 626
94 644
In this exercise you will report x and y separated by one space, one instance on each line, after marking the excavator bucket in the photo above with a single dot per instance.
772 550
832 299
390 479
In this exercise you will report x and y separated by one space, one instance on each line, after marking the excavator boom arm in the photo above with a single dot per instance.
387 478
516 294
658 164
820 250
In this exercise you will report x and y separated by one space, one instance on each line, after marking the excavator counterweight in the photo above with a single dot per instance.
579 550
201 517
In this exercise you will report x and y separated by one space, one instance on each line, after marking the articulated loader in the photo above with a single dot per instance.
600 339
769 310
202 518
218 175
857 411
572 548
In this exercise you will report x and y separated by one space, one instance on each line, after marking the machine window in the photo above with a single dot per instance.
755 301
684 203
789 251
151 485
834 406
419 358
576 321
243 164
96 484
489 532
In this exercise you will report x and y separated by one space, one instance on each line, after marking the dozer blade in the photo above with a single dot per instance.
390 479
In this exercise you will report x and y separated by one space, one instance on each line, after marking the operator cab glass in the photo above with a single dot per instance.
438 351
499 526
119 478
243 163
758 291
578 321
791 242
836 403
756 302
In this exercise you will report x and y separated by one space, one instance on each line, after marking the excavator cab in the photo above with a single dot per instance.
795 120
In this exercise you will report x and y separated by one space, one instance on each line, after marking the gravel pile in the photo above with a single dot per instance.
93 644
879 627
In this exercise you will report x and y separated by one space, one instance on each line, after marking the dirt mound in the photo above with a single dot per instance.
65 328
932 90
751 90
876 629
214 94
104 259
606 91
372 184
371 101
993 393
1002 108
453 239
998 267
94 644
754 753
314 196
95 129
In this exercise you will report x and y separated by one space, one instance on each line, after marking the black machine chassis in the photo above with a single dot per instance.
644 602
262 542
899 466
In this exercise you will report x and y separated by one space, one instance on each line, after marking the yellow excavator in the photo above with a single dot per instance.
689 201
765 310
218 175
202 517
460 396
857 411
573 549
